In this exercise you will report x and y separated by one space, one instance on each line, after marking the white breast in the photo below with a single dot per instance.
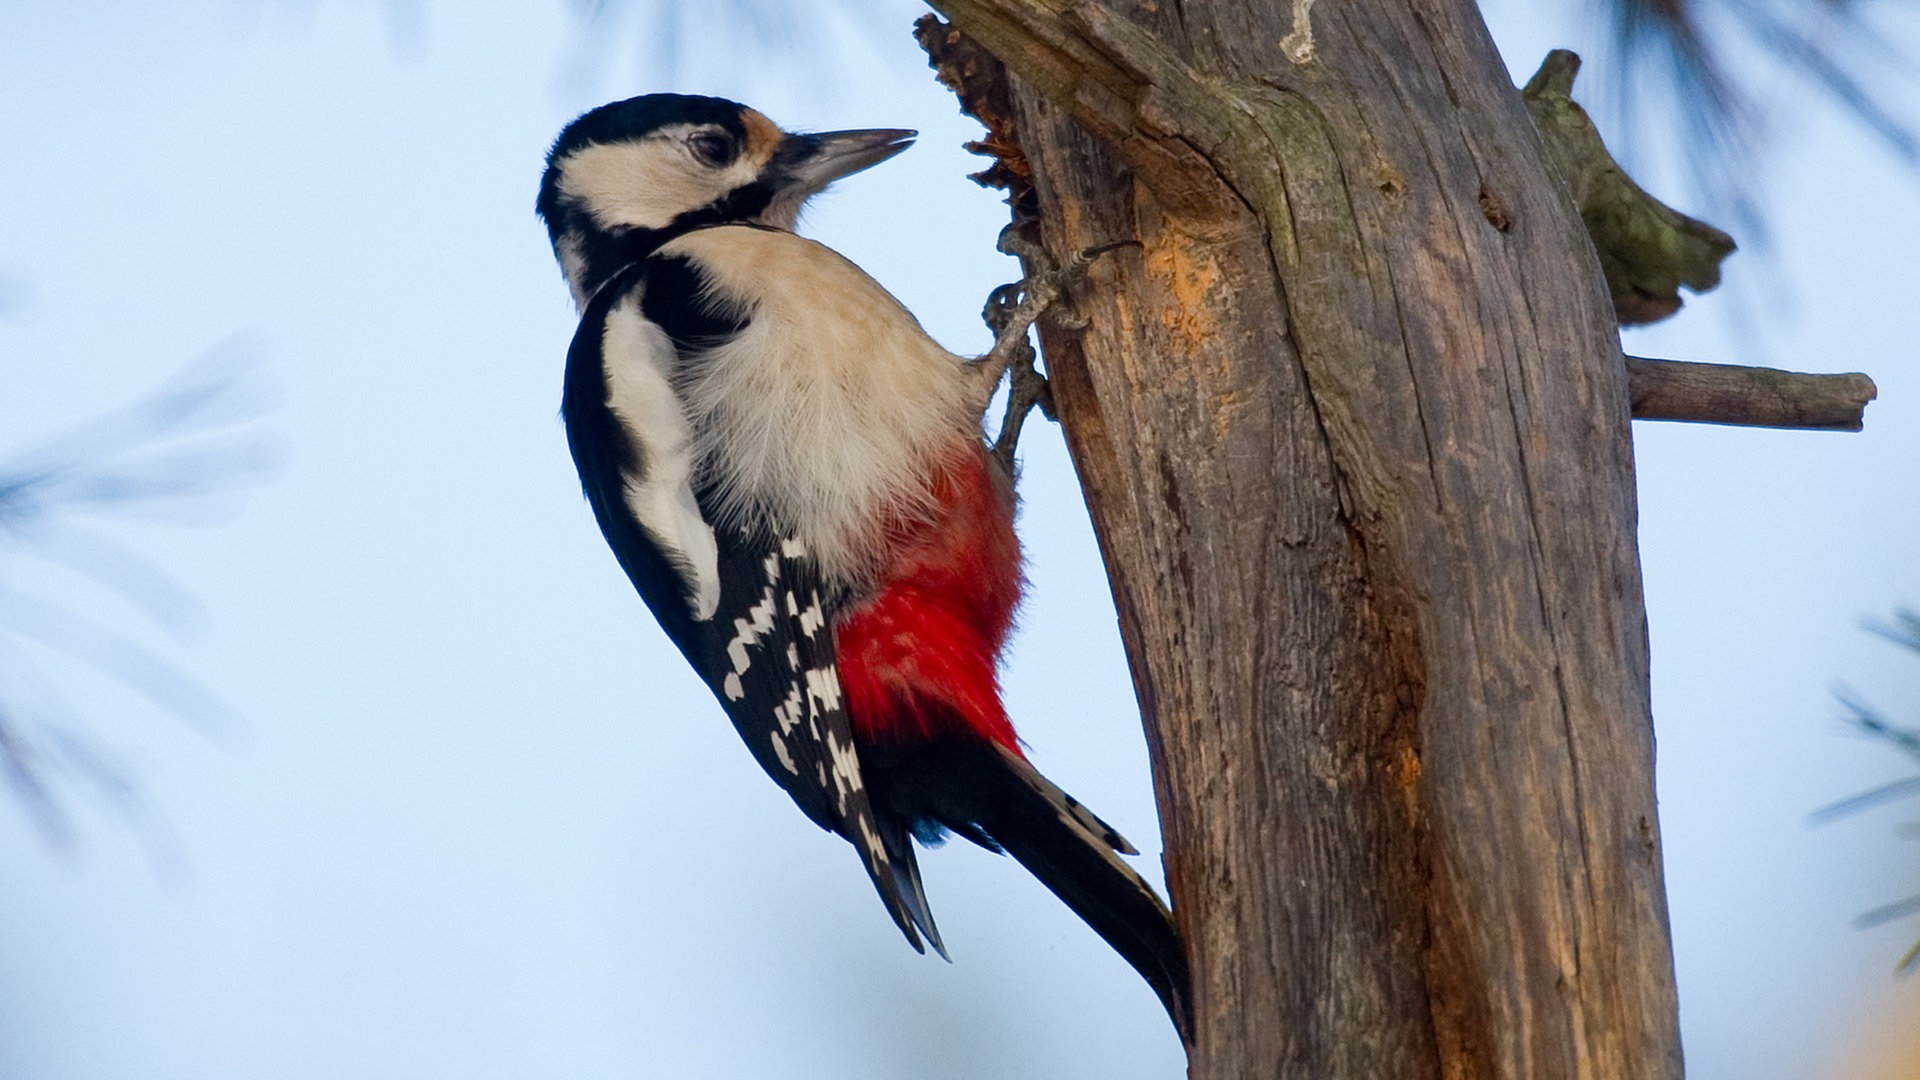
826 415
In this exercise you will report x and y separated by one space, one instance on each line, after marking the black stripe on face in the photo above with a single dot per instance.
603 252
743 203
741 206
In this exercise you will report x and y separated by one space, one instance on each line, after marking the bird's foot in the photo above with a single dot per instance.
1011 311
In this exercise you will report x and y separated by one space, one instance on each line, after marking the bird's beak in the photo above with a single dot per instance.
811 162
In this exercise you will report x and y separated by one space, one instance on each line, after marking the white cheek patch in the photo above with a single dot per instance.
638 359
648 182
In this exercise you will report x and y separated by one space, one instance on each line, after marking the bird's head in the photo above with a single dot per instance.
627 177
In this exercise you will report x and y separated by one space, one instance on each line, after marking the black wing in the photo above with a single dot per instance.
767 651
779 682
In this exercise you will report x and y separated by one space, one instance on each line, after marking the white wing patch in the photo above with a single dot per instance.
638 358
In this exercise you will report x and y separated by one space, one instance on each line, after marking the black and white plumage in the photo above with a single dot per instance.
791 473
745 606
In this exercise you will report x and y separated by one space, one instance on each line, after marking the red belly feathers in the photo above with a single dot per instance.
921 659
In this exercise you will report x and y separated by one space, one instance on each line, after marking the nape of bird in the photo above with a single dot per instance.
792 473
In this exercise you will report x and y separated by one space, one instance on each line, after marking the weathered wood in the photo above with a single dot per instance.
1647 249
1353 428
1747 396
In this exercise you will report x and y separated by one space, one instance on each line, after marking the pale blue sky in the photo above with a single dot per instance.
474 820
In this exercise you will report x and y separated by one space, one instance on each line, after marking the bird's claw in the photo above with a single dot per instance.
1046 283
1012 309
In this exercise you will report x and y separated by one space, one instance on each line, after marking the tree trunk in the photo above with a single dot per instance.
1353 426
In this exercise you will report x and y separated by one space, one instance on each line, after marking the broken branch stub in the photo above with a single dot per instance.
1747 396
1647 249
979 81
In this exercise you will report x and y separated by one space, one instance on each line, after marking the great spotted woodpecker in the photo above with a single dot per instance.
792 474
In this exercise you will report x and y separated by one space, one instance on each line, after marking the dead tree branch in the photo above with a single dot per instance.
1747 396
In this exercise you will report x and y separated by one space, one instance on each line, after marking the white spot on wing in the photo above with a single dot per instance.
846 767
780 751
811 620
763 613
823 688
748 632
787 714
732 687
876 850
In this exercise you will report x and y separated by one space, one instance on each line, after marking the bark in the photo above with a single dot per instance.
1353 427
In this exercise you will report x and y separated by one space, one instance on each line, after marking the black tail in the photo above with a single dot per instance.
907 899
980 788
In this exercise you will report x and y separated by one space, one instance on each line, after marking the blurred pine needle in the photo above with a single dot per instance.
1902 630
190 441
1679 53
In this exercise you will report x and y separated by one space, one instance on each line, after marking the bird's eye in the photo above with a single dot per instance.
712 148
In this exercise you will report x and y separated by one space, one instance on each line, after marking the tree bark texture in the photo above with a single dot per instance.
1353 427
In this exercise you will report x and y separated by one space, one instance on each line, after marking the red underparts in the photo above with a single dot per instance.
920 660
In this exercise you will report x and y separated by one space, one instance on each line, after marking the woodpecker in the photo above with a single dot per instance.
792 473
